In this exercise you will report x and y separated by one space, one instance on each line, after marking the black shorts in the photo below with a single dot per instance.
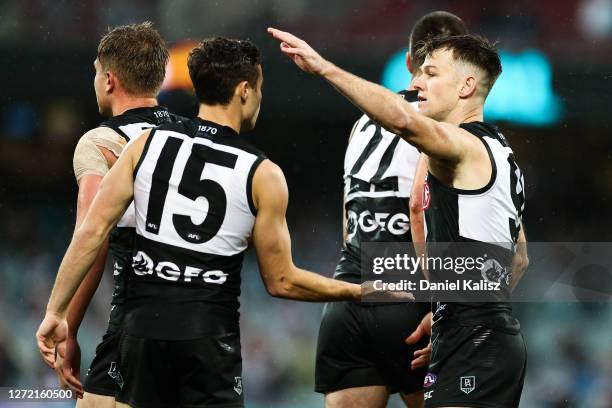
362 345
475 366
203 372
101 375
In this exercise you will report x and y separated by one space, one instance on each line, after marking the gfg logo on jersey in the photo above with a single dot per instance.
396 224
143 265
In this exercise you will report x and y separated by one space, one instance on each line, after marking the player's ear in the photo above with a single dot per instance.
111 82
468 86
408 62
243 89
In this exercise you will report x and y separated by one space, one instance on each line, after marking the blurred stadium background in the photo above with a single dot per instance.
554 106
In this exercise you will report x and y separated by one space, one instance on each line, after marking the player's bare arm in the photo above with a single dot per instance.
94 155
68 357
273 245
520 262
115 194
417 216
439 140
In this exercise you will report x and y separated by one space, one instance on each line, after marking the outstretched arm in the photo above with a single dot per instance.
438 140
273 246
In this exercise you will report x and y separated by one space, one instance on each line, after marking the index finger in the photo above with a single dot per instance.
416 335
289 38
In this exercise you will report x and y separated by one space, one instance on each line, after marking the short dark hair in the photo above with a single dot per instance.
473 49
434 24
218 64
137 54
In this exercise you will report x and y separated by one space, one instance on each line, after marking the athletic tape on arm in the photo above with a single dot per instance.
88 159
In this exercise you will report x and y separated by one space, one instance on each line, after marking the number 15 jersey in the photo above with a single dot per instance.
194 216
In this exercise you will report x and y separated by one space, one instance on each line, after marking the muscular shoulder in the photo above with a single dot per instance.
269 184
105 137
90 155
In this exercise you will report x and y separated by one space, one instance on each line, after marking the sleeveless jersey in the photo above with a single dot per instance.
379 171
491 217
194 216
129 124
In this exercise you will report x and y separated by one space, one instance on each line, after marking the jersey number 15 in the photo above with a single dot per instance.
190 186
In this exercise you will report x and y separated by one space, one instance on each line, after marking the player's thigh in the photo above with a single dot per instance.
475 366
102 376
413 400
209 370
375 396
121 405
90 400
145 373
344 354
388 326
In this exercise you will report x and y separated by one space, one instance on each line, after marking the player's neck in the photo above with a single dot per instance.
123 104
227 115
471 114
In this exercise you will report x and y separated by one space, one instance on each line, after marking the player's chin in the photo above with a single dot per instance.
424 108
429 112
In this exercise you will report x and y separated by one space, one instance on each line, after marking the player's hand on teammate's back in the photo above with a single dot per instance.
68 365
300 52
422 356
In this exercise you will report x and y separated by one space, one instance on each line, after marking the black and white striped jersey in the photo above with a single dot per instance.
194 216
379 171
490 216
129 124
